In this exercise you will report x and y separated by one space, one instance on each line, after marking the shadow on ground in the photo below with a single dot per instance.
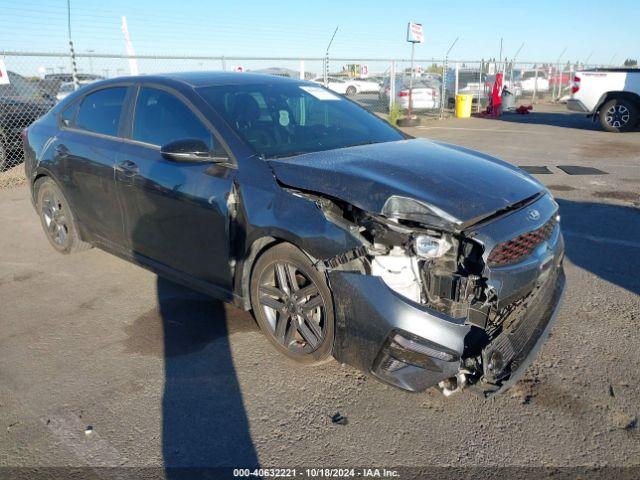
603 239
204 423
564 120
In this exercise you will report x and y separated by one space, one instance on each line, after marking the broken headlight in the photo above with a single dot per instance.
429 247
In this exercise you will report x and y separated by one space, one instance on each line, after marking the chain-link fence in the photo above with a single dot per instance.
387 87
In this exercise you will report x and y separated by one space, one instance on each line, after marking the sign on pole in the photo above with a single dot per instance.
415 33
4 76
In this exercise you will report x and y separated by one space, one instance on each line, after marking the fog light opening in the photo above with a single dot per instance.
452 385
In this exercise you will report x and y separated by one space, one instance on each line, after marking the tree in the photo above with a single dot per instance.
630 62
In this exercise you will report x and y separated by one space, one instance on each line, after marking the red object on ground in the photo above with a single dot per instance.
496 96
522 110
495 100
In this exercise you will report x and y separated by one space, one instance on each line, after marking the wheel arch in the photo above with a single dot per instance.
258 247
630 96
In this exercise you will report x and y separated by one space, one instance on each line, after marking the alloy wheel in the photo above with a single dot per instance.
617 116
293 306
54 218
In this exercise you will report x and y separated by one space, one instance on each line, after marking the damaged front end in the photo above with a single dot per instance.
429 300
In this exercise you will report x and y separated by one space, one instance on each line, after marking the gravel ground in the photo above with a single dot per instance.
103 364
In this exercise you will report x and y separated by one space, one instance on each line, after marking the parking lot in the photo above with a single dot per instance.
104 364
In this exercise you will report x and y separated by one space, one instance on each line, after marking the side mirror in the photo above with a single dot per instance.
190 150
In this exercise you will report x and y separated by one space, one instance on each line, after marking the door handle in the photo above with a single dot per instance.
127 168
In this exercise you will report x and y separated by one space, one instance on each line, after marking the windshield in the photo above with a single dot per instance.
286 119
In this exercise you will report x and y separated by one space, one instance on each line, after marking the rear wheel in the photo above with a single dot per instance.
57 218
618 115
351 91
292 304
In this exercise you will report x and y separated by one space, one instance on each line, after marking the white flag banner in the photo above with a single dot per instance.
4 75
133 63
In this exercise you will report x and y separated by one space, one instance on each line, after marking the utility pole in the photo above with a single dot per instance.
443 88
90 60
558 75
74 68
588 58
513 64
325 77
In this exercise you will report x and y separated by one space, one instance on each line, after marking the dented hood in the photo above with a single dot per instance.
457 184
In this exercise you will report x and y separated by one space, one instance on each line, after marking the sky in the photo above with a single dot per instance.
303 28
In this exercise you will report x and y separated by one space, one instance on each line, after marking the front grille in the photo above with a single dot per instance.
517 249
510 348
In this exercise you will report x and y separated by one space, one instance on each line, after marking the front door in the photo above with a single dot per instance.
175 213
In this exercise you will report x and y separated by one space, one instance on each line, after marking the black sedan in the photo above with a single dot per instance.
422 263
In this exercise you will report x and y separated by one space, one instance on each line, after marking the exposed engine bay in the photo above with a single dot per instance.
441 269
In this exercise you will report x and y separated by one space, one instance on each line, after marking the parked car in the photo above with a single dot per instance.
611 95
68 77
425 93
422 263
470 82
349 86
21 103
530 81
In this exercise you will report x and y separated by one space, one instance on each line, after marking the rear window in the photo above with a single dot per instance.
100 111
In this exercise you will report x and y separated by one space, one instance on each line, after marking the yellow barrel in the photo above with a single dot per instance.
463 105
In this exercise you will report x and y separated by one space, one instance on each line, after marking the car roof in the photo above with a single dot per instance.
206 79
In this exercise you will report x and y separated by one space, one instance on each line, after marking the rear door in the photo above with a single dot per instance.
86 149
175 213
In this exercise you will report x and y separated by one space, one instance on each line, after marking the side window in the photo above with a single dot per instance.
161 118
68 115
100 111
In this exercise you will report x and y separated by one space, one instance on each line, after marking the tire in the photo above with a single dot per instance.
618 115
408 122
302 327
57 219
351 91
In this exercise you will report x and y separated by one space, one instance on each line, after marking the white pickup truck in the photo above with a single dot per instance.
610 94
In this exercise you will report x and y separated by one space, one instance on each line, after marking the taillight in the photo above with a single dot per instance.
403 93
23 134
576 84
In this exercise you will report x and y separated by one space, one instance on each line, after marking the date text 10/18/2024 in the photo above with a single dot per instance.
316 473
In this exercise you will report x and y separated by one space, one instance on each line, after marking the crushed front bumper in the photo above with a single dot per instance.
376 328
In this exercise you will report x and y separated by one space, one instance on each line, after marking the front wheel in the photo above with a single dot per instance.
351 91
292 304
618 115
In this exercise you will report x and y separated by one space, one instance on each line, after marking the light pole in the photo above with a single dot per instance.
558 80
443 88
90 60
325 77
74 68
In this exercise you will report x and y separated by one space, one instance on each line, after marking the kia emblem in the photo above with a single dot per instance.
533 214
